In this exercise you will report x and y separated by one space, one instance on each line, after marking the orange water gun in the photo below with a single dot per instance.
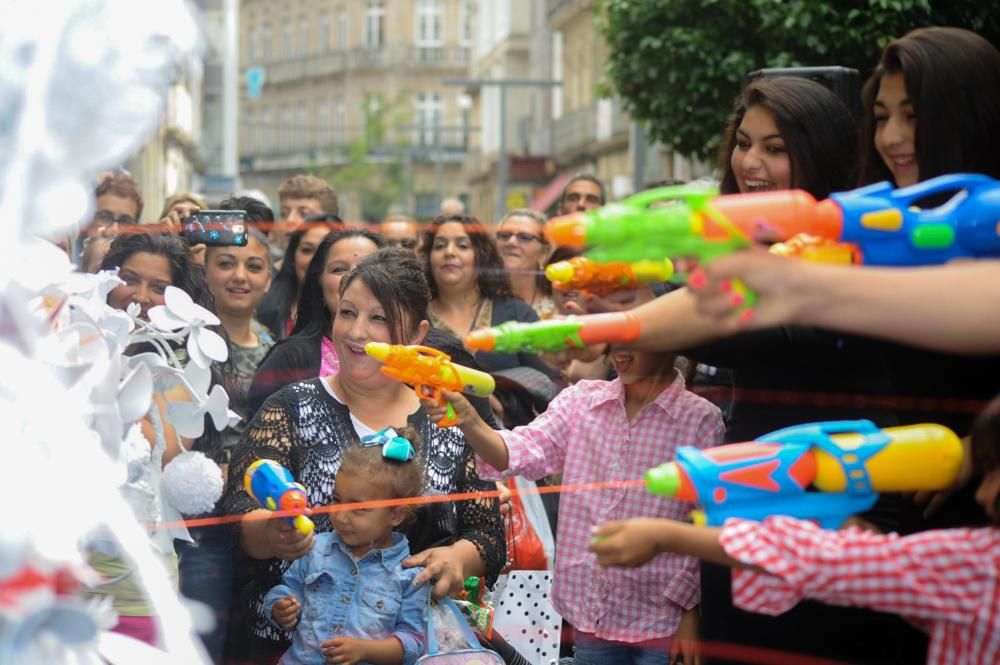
430 371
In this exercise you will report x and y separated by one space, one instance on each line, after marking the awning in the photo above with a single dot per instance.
548 196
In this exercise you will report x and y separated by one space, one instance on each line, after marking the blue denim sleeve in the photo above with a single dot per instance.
411 625
292 583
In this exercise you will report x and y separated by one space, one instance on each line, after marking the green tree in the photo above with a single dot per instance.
679 64
372 171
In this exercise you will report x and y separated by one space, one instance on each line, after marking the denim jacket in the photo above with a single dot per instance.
368 598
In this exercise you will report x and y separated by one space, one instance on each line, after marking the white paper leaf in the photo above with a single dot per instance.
211 344
165 319
188 418
135 395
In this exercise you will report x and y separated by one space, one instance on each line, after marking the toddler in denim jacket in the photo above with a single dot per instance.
349 600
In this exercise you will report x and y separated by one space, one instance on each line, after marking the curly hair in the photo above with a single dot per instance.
185 274
492 281
819 132
402 479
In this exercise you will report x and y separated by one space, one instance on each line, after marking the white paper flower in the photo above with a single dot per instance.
165 376
188 418
180 312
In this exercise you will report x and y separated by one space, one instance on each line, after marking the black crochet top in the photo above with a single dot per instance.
303 428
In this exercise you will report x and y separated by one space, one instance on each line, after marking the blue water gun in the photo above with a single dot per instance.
820 471
273 487
876 225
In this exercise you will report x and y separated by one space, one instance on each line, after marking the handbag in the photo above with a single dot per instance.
450 640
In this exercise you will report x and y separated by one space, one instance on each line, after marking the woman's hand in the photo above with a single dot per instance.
285 541
504 495
442 568
465 413
684 646
774 279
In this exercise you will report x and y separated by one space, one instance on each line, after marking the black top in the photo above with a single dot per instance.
305 429
790 376
296 358
512 309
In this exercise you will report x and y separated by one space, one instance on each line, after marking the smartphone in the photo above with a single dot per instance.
842 81
216 228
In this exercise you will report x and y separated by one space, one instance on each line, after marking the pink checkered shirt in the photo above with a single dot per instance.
947 582
586 436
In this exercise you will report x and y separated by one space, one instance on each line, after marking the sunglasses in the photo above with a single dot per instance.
408 243
504 236
107 218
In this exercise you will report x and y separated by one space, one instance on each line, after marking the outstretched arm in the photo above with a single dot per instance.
949 308
635 542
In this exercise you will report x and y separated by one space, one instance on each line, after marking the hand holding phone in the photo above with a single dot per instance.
216 228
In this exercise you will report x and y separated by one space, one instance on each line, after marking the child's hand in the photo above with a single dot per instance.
465 413
344 650
684 646
286 612
628 544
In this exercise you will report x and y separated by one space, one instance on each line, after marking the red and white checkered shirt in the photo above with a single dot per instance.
586 436
947 581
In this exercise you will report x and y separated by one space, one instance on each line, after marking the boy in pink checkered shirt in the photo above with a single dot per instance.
600 431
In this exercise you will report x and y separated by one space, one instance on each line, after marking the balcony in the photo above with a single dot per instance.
397 148
360 59
588 128
559 12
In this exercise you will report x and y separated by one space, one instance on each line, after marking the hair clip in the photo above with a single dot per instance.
394 447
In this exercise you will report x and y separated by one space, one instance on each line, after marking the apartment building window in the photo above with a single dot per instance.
373 119
428 17
430 111
340 124
374 24
324 32
286 39
464 23
265 43
248 137
264 144
303 35
285 128
301 127
342 28
251 52
323 123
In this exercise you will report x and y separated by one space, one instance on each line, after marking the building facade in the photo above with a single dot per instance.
349 81
171 160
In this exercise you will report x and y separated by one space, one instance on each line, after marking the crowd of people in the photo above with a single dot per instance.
298 303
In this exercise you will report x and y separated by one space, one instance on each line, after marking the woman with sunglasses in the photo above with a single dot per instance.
524 248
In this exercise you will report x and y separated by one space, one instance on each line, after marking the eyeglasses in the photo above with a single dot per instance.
504 236
574 197
408 243
107 218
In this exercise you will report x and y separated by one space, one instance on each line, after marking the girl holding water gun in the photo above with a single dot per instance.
945 581
930 109
360 560
598 431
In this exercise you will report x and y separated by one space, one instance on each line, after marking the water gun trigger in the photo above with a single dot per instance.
450 417
434 393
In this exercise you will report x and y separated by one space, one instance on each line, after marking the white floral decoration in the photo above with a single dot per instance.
181 314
